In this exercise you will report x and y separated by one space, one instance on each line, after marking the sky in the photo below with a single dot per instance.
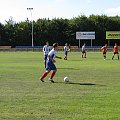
17 9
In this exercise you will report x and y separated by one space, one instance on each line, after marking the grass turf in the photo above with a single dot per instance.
93 92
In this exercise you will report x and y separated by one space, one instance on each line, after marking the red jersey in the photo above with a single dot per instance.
104 49
115 48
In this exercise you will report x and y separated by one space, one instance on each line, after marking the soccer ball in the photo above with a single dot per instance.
66 79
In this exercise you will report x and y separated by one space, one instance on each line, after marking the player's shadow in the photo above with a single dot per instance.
74 60
83 83
68 68
75 83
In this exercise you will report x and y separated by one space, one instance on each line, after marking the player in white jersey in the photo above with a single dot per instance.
83 51
65 51
46 50
50 63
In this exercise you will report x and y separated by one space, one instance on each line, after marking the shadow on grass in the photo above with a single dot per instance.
75 83
83 83
75 60
68 68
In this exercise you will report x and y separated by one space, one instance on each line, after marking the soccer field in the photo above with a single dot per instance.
93 92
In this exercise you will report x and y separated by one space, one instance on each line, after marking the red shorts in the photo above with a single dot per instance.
104 52
116 53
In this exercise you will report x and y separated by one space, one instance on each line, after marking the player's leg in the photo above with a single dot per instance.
45 63
113 56
118 55
48 69
44 75
104 54
53 68
45 60
65 58
82 54
66 54
52 75
85 54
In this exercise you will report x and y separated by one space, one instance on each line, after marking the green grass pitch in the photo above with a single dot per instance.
92 94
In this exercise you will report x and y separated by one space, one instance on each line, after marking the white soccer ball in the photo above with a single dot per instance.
66 79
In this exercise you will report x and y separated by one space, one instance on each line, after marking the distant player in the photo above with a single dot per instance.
50 64
46 50
83 51
104 51
69 48
65 51
115 50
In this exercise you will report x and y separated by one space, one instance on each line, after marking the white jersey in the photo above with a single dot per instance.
65 48
83 48
46 49
52 53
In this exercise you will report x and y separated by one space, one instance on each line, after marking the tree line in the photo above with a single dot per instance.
58 30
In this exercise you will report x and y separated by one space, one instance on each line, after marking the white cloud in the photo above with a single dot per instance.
113 11
51 9
14 9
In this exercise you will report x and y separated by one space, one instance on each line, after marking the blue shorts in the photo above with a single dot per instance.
45 57
66 52
50 65
83 51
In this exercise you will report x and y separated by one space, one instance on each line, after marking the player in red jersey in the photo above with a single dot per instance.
115 51
104 51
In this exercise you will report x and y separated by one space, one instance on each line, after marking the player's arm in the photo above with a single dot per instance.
58 57
113 48
50 58
43 49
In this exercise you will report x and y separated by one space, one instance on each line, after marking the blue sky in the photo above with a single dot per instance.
56 8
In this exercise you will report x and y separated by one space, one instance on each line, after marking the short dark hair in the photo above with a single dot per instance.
55 45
